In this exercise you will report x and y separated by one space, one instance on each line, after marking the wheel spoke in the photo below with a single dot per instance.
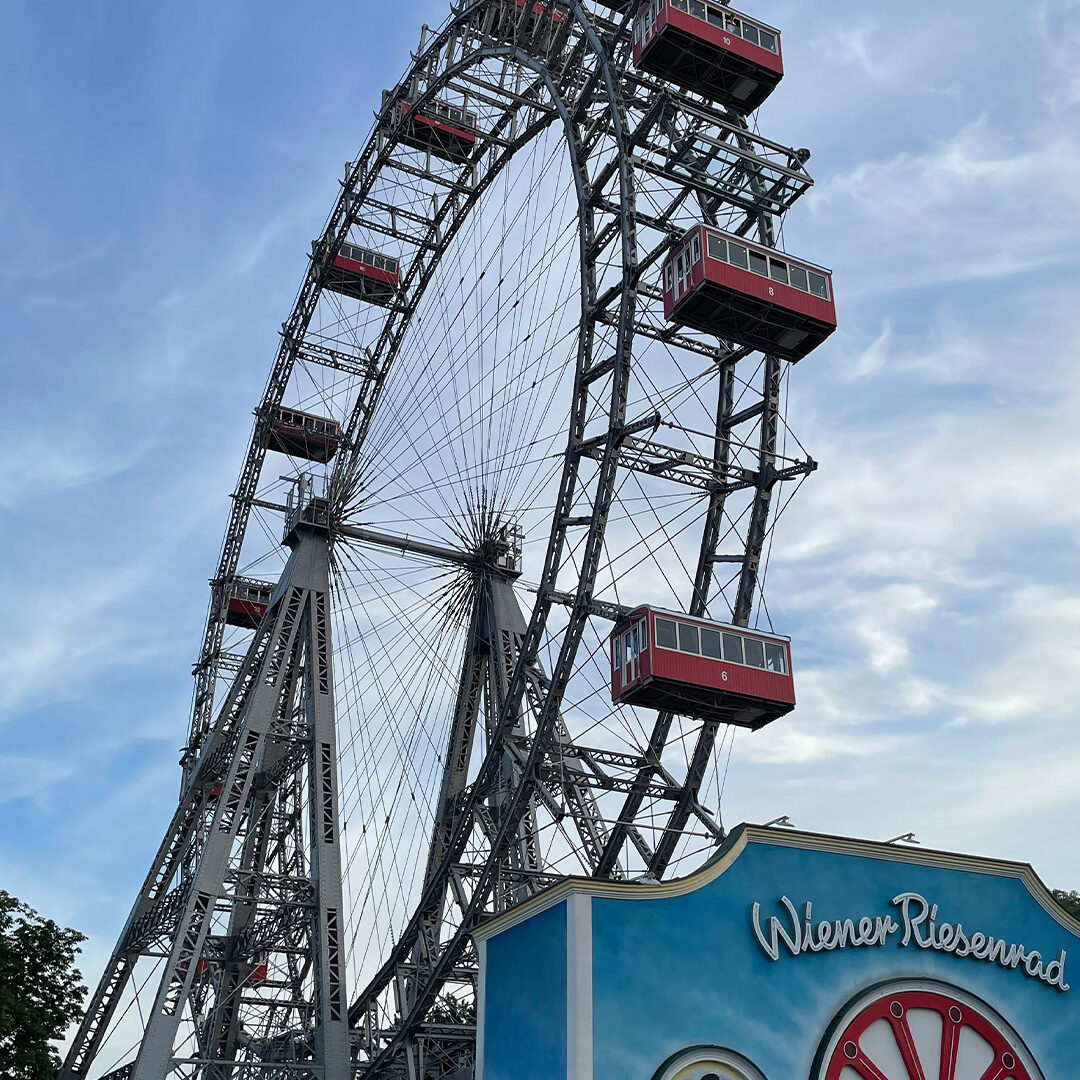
950 1042
865 1067
905 1042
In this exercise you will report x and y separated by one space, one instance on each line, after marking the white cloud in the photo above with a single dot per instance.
60 636
850 43
1057 29
824 728
978 205
871 358
45 265
914 493
859 49
40 463
883 619
1039 678
26 777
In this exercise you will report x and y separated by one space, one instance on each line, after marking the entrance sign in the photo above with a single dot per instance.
789 956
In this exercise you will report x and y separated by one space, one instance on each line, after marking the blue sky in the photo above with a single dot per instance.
166 170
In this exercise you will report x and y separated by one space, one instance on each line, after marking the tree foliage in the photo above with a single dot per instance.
41 990
1070 901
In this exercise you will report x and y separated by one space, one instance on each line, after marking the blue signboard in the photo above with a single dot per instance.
789 956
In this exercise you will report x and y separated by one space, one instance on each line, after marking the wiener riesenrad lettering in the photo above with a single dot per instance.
916 923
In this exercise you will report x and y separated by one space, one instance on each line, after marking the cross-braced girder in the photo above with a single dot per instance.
241 884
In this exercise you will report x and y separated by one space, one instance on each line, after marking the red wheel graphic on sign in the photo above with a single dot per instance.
923 1034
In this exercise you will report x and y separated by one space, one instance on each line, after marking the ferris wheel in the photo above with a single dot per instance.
488 610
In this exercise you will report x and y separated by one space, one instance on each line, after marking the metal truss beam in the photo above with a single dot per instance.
232 827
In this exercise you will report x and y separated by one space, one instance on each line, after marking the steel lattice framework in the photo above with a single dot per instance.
461 675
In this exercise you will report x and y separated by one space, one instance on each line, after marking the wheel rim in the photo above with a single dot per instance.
919 1033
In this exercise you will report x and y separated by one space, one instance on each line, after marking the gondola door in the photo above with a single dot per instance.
631 661
635 641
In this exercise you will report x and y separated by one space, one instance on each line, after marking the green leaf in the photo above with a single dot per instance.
41 991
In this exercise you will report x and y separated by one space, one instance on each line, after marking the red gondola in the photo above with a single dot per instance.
695 667
542 13
217 788
301 434
257 971
246 601
439 127
708 48
754 295
362 274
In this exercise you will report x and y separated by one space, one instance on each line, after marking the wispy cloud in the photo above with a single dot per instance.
980 205
1057 29
851 43
78 628
41 463
46 265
